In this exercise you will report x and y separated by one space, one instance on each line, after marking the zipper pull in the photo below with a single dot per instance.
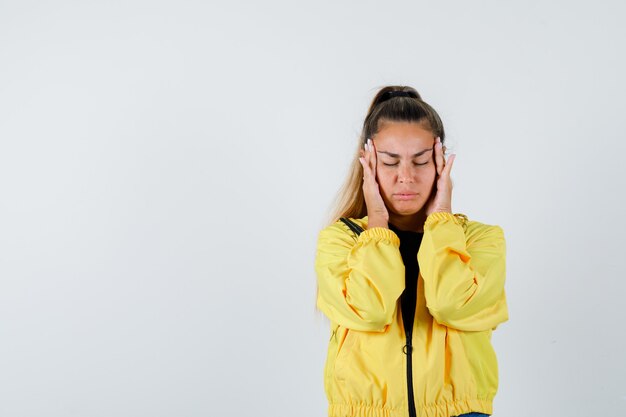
408 348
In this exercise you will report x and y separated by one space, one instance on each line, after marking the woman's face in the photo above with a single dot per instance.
405 167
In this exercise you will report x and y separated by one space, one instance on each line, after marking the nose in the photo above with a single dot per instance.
404 174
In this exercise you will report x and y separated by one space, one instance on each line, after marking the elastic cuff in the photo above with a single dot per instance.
437 216
380 233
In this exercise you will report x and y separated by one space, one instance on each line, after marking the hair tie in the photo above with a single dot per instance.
391 94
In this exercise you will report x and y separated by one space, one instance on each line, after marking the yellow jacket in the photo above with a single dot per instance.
460 300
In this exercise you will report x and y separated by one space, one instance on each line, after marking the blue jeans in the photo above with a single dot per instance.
474 415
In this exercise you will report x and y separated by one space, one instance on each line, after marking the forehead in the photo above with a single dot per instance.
400 137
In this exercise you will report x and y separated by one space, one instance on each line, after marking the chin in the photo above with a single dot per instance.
407 211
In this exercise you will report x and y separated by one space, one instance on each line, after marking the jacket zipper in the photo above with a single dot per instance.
408 301
408 350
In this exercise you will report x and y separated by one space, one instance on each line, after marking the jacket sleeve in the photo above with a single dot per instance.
359 282
463 278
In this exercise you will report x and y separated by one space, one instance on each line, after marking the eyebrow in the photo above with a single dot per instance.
395 155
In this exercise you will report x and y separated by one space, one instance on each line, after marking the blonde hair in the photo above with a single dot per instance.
385 107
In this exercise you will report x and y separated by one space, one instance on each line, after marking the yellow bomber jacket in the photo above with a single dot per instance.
460 300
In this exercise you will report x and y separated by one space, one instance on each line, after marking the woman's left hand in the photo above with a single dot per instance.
441 198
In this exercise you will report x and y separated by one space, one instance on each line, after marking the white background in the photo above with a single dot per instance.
165 168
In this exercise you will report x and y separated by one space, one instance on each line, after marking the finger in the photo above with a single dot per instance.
366 170
365 161
373 158
362 157
367 156
365 151
448 167
439 160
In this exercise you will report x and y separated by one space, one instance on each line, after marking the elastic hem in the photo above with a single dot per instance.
380 233
361 410
446 409
437 216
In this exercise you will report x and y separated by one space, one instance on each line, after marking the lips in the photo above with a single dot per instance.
405 195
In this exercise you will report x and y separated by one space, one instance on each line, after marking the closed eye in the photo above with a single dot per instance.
395 164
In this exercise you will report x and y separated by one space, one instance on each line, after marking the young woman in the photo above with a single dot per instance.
412 290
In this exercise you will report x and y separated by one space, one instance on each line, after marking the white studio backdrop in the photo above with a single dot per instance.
165 168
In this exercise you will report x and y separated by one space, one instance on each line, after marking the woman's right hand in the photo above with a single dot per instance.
377 213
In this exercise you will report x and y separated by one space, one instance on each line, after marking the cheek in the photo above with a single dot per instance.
426 179
430 174
384 178
426 174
